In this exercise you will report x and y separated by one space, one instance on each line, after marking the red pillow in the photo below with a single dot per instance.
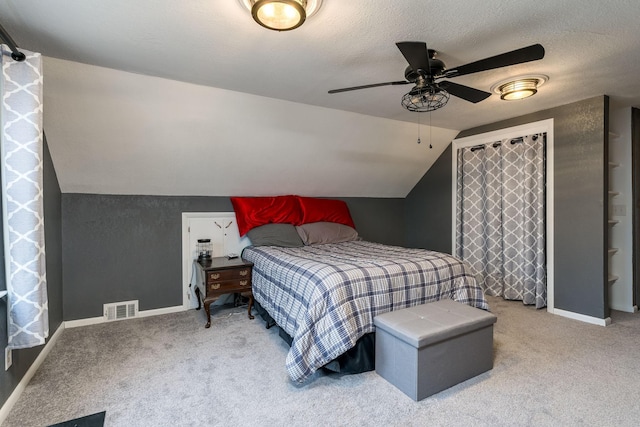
328 210
252 212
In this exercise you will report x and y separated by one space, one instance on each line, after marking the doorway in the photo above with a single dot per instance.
546 127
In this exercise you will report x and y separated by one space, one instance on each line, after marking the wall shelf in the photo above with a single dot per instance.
611 250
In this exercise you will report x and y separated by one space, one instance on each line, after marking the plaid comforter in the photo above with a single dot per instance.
326 296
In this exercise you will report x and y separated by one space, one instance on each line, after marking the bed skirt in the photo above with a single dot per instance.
360 358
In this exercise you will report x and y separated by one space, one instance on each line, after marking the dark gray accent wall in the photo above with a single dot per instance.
23 359
428 207
120 248
580 188
379 220
53 240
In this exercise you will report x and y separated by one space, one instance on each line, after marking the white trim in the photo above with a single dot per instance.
186 251
543 126
146 313
187 261
161 311
83 322
15 395
3 294
582 317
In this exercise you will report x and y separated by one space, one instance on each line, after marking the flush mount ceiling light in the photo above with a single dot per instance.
519 87
281 15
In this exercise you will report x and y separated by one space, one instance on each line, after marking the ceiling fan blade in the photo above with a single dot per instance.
416 54
402 82
465 92
518 56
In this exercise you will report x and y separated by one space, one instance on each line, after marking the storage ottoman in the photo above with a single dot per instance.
425 349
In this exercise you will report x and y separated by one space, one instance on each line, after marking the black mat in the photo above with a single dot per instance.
93 420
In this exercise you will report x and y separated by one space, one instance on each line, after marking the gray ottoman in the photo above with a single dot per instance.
425 349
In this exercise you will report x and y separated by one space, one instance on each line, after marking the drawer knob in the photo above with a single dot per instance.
243 282
244 272
215 276
215 286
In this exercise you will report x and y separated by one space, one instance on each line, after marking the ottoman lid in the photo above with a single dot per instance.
430 323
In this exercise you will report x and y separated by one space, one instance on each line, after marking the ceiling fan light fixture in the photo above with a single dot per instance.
519 88
425 99
281 15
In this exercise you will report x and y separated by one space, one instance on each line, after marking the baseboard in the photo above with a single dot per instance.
13 398
83 322
161 311
582 317
145 313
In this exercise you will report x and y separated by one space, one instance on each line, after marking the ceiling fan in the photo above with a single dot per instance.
424 70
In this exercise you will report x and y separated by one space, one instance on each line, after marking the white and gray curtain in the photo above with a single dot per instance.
500 216
22 199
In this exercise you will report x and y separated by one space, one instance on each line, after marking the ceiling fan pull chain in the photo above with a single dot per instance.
430 146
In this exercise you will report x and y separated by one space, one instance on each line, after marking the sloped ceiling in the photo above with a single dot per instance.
193 97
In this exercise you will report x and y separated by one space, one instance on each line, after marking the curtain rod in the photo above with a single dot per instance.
15 53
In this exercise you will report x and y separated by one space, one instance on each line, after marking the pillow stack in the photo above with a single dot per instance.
293 221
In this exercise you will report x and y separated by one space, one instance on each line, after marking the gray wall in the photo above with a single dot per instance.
581 153
120 248
23 359
428 208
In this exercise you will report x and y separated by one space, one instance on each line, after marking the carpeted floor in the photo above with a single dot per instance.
171 371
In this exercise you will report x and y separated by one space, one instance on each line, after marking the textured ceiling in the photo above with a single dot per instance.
592 48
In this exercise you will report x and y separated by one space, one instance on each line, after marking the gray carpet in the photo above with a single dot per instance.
170 371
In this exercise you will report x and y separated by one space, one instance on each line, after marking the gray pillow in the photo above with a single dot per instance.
315 233
284 235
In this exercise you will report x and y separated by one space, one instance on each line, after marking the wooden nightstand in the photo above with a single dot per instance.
224 276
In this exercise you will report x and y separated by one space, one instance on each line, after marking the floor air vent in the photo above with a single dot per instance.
120 310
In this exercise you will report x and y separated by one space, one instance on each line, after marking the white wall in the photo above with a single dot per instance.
621 234
113 132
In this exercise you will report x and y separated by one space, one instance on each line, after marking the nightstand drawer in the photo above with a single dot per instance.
220 286
229 274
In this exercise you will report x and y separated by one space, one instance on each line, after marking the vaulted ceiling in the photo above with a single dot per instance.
193 97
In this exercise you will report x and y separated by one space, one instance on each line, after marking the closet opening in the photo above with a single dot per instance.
491 149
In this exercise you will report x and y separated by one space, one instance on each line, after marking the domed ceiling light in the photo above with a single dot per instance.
281 15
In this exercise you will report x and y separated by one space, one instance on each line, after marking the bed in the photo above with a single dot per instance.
325 296
322 285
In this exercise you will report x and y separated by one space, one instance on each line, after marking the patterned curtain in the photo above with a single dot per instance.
22 199
500 217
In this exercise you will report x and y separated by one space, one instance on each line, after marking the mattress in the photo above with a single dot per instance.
326 296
